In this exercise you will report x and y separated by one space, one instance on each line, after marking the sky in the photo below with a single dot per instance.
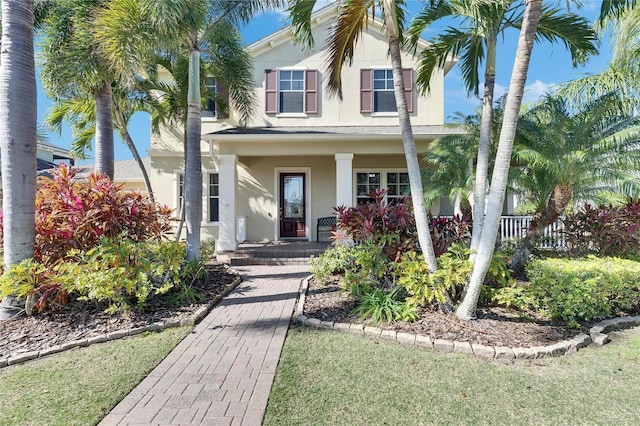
550 65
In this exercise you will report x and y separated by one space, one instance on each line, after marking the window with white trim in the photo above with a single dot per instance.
210 109
212 213
377 94
395 182
291 91
397 186
213 194
384 99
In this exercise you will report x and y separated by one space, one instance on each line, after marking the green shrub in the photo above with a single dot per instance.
335 260
577 289
118 272
381 306
424 288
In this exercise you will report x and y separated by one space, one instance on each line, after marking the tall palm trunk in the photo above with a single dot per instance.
132 147
556 205
482 163
411 155
410 152
467 309
104 131
18 146
193 160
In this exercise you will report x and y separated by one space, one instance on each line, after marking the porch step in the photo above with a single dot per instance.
243 261
277 253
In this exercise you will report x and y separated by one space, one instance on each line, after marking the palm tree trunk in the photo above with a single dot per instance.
18 140
467 309
482 163
193 160
556 205
410 152
132 147
104 131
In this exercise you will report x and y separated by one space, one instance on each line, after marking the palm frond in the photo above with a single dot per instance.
340 46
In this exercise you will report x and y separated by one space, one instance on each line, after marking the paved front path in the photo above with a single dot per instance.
221 374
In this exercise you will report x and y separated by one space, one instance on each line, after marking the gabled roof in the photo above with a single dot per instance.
320 16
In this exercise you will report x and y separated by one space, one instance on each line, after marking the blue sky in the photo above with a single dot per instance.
550 65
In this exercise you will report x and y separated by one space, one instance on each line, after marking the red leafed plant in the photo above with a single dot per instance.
604 230
72 213
391 226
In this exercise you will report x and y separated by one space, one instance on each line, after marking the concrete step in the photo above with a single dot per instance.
270 261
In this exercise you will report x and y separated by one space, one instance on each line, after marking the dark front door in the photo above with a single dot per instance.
292 202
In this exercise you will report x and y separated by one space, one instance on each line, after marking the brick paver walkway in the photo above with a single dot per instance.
221 374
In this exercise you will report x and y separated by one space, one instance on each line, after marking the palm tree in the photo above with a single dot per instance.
80 113
452 159
17 135
622 20
352 19
467 309
72 67
133 31
562 154
473 35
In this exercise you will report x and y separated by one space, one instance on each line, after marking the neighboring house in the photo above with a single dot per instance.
50 155
304 152
126 172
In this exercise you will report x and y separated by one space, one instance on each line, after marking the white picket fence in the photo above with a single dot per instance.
513 227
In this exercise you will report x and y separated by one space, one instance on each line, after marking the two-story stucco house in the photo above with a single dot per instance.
305 151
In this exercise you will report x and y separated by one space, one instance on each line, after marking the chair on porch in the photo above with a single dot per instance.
324 226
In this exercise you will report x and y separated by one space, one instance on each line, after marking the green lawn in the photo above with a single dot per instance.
328 378
80 387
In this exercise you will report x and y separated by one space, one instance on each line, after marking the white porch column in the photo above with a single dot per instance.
344 179
228 174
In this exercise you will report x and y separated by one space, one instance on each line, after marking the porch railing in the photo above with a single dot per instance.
513 227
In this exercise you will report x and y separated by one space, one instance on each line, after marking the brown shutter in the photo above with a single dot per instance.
407 76
271 91
366 90
222 112
311 91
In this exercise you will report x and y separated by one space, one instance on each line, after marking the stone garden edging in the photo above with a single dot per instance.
194 319
597 335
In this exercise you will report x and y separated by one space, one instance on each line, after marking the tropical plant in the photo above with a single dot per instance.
80 114
18 145
562 154
473 35
134 31
73 67
75 214
605 230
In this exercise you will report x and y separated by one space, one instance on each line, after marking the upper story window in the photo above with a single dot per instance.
384 99
214 90
291 91
210 104
376 90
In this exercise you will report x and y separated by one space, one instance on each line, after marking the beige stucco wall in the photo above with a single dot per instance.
371 52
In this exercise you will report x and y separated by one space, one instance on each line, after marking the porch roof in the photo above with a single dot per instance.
282 133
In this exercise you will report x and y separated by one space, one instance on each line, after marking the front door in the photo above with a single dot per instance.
292 202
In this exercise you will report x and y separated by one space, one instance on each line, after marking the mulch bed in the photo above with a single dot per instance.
493 327
79 320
